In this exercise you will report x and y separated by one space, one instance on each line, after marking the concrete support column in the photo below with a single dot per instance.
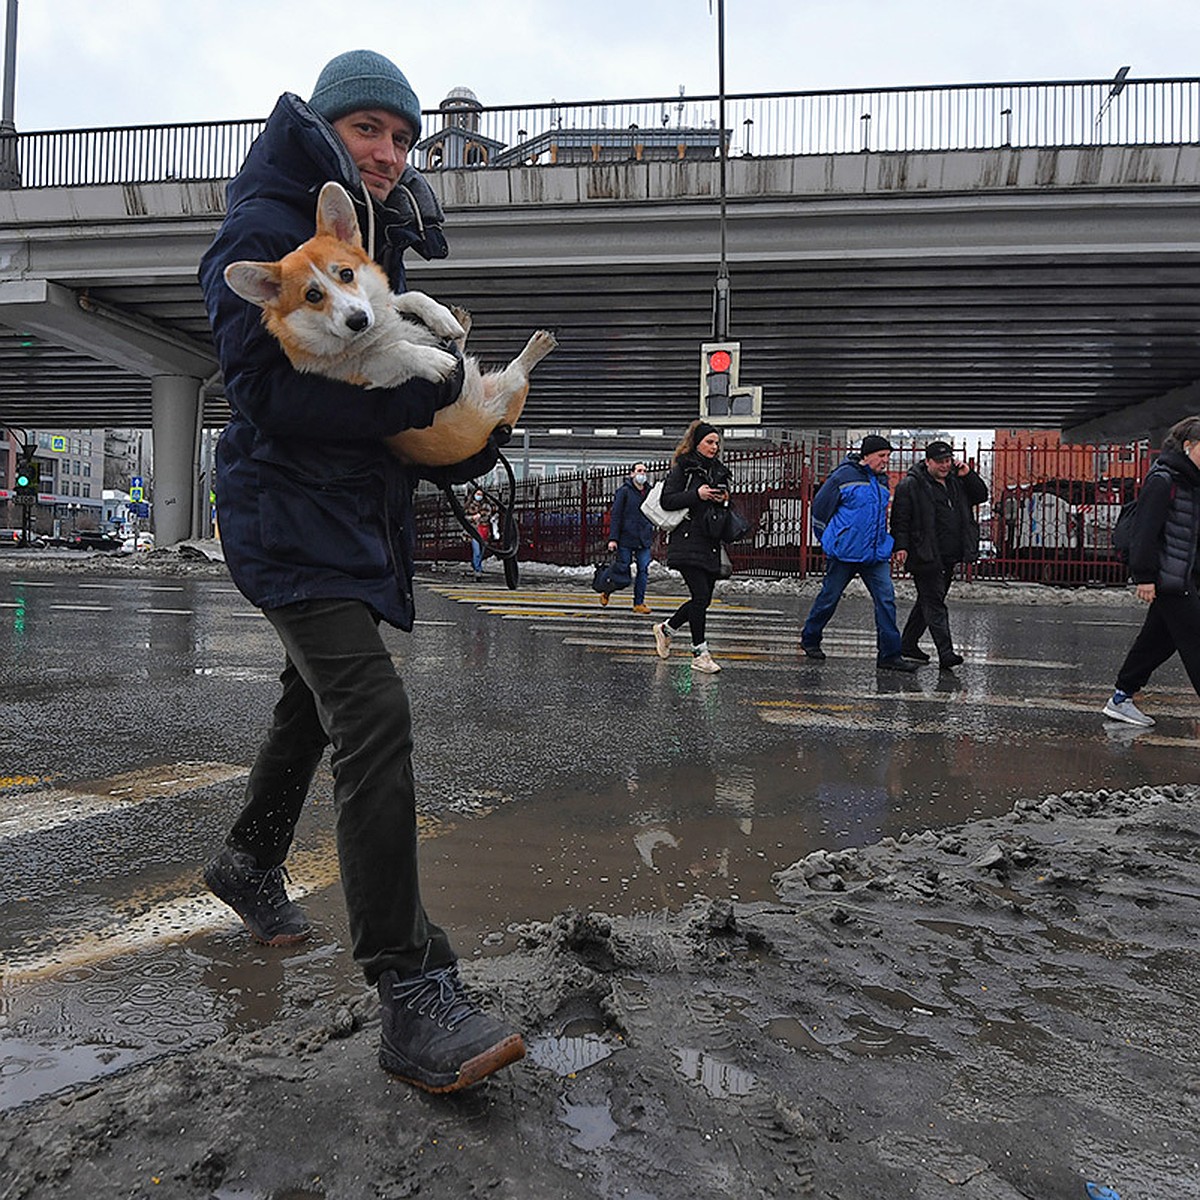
175 412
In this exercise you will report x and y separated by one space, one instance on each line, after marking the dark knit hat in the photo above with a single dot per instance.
364 79
873 443
703 429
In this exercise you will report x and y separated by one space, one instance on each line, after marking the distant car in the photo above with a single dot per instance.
145 541
15 537
92 539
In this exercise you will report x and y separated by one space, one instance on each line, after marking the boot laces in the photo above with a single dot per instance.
270 886
438 995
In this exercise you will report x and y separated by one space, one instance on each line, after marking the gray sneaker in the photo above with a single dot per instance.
1126 710
258 897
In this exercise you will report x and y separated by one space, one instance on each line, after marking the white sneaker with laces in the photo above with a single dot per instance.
662 641
1126 710
704 662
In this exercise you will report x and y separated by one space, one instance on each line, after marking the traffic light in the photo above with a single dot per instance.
723 400
28 481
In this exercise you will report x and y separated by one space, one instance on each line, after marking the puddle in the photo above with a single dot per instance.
567 1056
720 1080
871 1038
593 1124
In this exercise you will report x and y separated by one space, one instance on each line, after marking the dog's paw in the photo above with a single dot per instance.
433 364
462 317
437 318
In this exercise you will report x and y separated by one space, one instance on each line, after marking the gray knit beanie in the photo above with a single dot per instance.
364 79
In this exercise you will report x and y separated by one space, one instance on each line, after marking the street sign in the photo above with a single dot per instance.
58 443
136 482
136 493
141 510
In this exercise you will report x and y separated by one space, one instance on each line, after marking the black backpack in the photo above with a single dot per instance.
1122 534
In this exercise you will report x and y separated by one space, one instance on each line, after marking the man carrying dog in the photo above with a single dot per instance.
934 525
317 528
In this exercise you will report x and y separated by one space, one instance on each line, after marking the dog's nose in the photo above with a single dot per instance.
358 320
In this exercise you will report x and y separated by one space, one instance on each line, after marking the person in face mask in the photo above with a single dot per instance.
630 534
479 513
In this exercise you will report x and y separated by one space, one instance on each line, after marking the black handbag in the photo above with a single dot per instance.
612 576
736 526
724 523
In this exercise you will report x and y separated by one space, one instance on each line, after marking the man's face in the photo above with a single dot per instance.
939 468
378 142
876 461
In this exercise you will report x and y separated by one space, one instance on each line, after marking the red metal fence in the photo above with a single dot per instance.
1049 518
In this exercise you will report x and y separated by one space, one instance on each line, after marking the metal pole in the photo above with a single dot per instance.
721 291
8 106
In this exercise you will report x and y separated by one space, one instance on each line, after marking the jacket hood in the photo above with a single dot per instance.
1181 466
298 152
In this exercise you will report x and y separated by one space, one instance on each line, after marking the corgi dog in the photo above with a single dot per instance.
329 306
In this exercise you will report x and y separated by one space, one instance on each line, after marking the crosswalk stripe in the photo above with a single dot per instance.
48 808
177 917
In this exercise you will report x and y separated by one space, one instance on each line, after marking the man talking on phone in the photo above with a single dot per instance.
934 526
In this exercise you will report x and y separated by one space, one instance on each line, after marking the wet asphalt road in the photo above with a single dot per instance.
559 763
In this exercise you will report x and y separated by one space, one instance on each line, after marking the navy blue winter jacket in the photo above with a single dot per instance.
311 503
626 525
850 514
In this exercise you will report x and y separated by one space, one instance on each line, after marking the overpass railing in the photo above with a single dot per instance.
983 116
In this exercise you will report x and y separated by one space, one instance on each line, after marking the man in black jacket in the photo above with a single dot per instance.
934 525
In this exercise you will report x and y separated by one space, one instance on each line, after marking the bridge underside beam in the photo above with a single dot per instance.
1151 419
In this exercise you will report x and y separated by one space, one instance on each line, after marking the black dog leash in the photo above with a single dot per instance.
509 543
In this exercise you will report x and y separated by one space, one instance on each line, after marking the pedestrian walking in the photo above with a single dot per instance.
480 513
1163 565
934 527
700 482
317 528
850 513
631 535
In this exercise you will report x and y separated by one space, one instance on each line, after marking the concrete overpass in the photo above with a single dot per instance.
1025 287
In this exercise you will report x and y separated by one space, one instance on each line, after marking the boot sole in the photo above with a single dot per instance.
502 1054
280 939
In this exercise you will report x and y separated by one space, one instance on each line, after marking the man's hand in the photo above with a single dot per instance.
1146 593
901 556
612 545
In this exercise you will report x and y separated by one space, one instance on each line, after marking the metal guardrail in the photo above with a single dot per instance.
1049 517
1088 113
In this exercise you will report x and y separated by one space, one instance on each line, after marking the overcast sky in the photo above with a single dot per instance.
131 62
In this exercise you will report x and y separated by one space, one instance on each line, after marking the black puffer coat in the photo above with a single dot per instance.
914 522
1166 528
690 545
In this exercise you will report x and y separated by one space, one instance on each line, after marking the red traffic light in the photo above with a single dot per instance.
720 361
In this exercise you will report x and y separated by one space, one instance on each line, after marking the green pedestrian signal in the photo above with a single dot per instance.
28 479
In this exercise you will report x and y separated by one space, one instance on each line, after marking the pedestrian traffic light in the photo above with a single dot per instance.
28 481
723 400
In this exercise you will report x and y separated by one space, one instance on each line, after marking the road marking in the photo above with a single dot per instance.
178 612
31 583
176 918
82 607
48 808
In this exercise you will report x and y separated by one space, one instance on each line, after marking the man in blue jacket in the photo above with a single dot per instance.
630 534
850 513
317 528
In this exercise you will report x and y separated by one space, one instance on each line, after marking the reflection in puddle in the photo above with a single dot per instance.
593 1124
871 1038
569 1055
719 1079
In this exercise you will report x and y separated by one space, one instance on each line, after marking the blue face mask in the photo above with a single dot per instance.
639 478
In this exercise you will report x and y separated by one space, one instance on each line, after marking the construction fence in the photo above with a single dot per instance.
1049 517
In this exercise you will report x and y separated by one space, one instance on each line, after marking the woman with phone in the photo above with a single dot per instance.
698 481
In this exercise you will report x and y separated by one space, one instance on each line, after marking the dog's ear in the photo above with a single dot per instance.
336 216
258 282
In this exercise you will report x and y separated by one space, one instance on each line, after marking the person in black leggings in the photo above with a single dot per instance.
698 481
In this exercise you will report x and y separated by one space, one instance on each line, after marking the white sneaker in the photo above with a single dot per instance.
704 662
662 641
1126 710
